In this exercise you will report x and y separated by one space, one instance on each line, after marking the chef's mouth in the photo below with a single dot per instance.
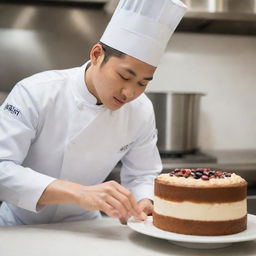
120 102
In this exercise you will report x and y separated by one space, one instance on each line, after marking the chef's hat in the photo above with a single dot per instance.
142 28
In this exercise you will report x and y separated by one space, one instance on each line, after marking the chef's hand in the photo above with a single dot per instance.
111 198
146 205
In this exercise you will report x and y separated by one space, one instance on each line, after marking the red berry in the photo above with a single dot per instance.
204 177
188 172
219 173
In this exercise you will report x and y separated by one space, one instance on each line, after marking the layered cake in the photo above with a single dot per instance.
200 202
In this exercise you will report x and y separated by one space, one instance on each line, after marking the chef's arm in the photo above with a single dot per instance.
142 164
139 179
19 185
109 197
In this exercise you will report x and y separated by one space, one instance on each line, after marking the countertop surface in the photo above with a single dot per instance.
99 237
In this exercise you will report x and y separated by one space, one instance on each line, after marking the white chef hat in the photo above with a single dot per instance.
142 28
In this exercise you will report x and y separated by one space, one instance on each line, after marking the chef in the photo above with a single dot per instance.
63 131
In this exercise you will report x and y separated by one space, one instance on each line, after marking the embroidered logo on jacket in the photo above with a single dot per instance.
13 110
125 147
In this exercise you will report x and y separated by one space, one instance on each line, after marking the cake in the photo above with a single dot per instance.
200 202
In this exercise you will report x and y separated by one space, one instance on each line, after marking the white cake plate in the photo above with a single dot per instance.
200 242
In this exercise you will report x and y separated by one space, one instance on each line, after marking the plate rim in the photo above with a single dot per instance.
233 238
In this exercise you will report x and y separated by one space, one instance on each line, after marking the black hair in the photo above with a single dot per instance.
110 52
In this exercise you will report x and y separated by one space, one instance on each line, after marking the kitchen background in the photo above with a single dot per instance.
211 54
223 67
213 51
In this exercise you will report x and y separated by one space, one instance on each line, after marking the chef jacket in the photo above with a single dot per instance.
51 128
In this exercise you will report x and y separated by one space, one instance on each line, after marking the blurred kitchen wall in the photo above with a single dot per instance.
224 67
37 36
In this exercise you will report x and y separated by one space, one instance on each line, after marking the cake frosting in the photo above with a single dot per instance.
190 181
200 202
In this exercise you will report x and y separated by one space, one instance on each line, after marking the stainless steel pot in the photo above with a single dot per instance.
177 117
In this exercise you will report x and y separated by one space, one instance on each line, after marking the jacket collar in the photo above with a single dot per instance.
81 92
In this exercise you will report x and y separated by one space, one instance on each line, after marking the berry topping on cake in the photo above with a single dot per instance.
200 173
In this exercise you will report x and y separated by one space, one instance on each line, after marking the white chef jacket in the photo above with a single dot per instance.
51 128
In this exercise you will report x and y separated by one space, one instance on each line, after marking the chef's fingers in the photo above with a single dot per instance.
143 217
125 201
131 202
148 210
118 206
146 205
125 196
123 221
109 210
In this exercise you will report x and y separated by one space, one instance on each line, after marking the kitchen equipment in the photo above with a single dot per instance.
177 119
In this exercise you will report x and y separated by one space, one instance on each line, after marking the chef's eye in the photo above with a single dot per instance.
142 84
123 77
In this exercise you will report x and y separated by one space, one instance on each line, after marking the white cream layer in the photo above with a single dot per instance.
201 211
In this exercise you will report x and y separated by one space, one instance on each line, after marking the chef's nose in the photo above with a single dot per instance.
128 92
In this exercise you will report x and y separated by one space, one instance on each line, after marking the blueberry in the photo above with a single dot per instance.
199 174
211 173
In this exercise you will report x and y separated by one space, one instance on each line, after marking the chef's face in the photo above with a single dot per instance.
119 80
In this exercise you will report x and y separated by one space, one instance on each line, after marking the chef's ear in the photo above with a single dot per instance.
96 54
